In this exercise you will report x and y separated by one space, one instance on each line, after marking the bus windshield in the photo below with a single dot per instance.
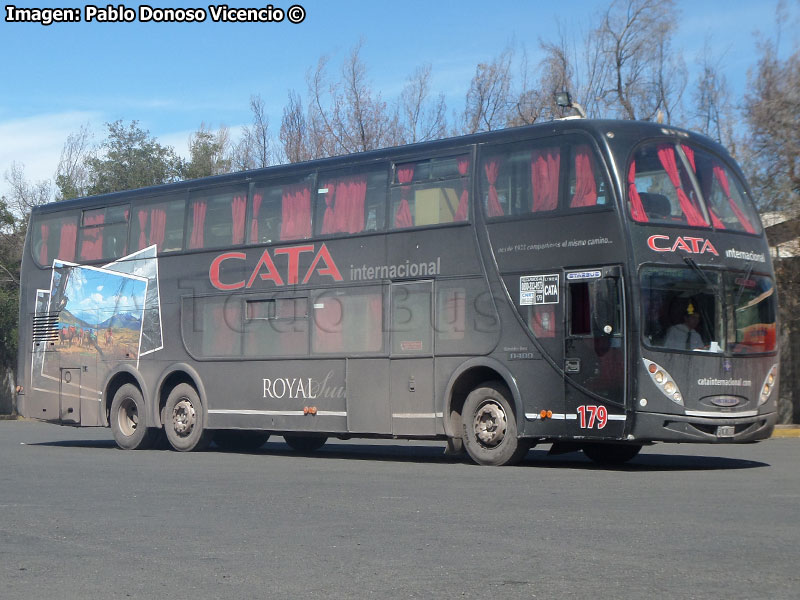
683 185
685 309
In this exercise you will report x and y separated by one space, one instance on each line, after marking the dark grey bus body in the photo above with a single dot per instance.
388 330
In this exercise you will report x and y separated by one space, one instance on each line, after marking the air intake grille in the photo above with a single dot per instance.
45 328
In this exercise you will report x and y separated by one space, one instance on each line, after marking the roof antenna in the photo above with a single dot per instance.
564 100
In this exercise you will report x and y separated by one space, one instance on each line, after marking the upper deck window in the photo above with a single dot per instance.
160 223
683 185
280 211
430 192
352 202
104 232
541 178
54 236
216 217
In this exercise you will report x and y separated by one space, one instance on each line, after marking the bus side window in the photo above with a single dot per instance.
586 185
104 232
348 321
160 223
216 217
351 203
54 237
430 192
280 211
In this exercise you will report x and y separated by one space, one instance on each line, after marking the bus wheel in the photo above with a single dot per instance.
237 440
127 420
490 428
184 424
305 443
611 454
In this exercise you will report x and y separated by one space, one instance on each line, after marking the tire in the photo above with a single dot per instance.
185 420
490 427
305 444
235 440
611 454
127 420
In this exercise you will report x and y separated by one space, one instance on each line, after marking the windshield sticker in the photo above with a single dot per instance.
538 289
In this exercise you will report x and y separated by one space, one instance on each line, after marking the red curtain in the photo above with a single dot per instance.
66 249
463 202
585 184
492 168
545 164
666 154
720 175
705 183
543 321
635 201
296 212
142 228
238 208
402 218
92 238
45 229
344 205
158 226
254 218
198 224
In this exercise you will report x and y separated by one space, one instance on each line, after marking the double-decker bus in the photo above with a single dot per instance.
596 285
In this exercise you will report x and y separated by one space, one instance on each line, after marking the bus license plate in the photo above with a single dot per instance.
725 431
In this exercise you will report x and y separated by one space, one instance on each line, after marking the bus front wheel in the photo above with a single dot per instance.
127 420
490 427
185 420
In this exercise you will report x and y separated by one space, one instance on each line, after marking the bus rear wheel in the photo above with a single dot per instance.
127 420
185 420
305 443
611 454
490 427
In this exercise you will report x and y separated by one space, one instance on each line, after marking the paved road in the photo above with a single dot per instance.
80 519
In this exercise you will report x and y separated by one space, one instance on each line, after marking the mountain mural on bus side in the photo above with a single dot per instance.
100 311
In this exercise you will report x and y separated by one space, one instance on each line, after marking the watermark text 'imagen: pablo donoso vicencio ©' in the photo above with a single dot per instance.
218 13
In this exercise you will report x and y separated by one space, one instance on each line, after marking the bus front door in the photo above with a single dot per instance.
594 353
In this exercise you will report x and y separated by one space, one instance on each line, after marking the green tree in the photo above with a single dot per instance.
207 153
12 235
131 159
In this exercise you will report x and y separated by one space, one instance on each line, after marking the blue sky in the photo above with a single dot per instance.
171 77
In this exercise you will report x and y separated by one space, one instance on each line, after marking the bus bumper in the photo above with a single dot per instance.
711 430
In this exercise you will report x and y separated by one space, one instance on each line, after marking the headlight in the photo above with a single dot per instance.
769 385
663 381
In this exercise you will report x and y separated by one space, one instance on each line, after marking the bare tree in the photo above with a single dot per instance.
253 150
488 97
641 75
25 195
423 118
347 115
294 134
712 112
72 176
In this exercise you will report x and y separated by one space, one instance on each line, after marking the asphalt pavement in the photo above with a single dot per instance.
80 519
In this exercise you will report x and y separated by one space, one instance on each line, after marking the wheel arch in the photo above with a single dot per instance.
174 375
116 379
466 378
